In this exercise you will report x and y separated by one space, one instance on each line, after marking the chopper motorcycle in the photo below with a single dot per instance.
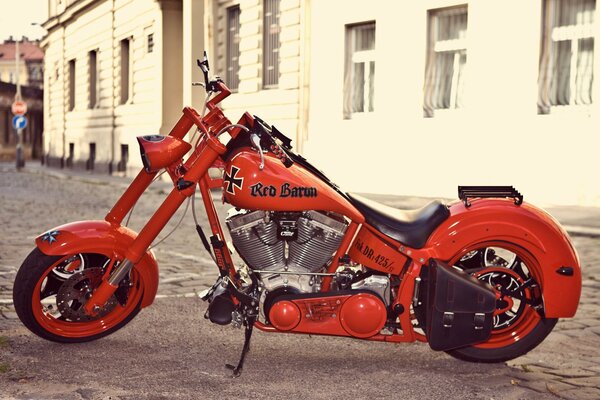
484 278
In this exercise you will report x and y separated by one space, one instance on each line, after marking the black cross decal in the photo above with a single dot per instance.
232 181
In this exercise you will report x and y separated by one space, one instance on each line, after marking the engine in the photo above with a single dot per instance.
301 242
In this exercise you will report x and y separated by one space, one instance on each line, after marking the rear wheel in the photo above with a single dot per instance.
50 291
518 327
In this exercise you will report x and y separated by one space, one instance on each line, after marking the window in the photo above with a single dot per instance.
271 44
93 79
71 85
125 70
567 54
233 47
359 72
446 60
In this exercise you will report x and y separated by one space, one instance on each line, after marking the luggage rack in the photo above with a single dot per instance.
467 192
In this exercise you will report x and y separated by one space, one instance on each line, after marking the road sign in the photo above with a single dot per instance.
19 122
19 108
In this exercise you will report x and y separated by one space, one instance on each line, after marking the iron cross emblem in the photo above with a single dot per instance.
233 181
50 236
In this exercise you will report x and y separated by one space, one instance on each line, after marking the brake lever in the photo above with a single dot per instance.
255 140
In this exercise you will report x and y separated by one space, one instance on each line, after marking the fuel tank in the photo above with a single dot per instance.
278 188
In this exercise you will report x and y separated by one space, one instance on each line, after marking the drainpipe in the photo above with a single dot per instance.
114 117
304 92
65 105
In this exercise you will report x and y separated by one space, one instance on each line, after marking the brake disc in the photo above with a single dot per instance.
75 292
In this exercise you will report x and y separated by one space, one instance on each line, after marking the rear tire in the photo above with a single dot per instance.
528 343
518 327
34 271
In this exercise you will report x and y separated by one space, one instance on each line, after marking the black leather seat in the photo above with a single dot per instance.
411 227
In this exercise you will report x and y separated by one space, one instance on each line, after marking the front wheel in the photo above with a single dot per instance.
50 291
518 327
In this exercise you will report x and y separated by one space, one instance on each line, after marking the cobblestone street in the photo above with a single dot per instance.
566 365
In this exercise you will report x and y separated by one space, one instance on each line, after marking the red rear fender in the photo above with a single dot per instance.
526 226
103 238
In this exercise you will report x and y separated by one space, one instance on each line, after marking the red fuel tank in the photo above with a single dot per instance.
278 188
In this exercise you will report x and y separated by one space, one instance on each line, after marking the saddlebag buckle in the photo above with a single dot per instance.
479 321
448 318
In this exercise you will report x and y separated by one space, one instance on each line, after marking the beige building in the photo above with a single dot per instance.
31 62
30 77
386 97
419 97
261 51
114 71
117 69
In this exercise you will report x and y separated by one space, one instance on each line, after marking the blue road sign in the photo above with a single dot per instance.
19 122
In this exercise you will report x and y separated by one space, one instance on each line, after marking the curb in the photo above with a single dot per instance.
573 230
582 231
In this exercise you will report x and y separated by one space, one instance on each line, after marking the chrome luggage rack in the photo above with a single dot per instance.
469 192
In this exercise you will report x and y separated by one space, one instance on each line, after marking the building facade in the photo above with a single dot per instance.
30 77
261 51
114 71
31 62
32 134
419 97
386 97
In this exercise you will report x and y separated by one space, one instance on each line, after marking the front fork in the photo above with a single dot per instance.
183 188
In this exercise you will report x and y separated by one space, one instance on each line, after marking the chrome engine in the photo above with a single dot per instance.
301 242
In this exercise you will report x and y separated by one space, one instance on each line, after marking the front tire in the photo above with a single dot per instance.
518 326
43 279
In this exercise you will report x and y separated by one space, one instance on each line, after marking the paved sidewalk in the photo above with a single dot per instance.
566 365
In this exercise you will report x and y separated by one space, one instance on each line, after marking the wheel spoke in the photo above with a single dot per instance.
517 266
51 286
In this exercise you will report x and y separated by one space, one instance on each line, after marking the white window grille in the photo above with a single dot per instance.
233 47
150 43
359 73
271 44
446 60
567 54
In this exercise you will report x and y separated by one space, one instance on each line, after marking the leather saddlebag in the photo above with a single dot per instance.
458 308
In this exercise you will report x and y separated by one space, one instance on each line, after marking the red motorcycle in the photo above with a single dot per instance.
484 278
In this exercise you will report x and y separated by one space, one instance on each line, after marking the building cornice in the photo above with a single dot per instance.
71 12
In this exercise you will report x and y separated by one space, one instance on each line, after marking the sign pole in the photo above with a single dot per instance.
20 157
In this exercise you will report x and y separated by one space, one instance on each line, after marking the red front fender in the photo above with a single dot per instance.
526 226
103 238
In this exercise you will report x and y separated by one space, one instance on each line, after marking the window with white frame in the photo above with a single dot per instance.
271 44
233 47
446 59
359 71
567 54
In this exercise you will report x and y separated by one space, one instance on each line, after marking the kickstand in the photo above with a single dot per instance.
237 371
